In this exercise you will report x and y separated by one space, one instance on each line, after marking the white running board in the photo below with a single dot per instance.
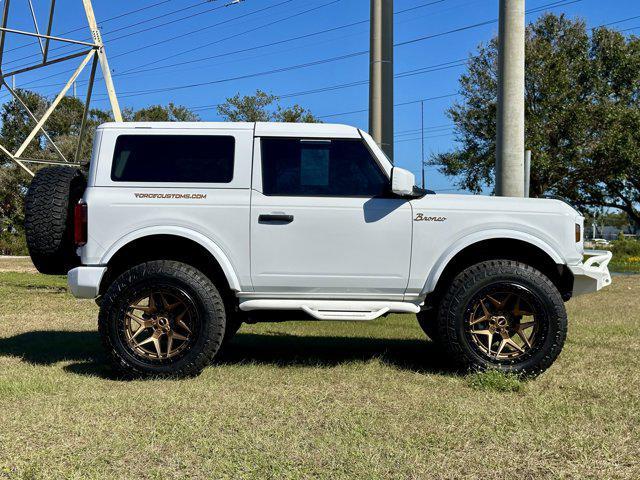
332 309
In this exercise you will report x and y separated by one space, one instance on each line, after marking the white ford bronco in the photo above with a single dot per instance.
183 231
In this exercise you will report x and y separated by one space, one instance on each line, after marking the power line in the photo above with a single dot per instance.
341 57
618 21
429 129
192 32
338 86
173 38
239 77
420 138
144 30
140 68
299 37
395 105
353 54
560 3
167 14
106 20
105 34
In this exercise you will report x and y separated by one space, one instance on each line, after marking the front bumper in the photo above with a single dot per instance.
593 274
84 282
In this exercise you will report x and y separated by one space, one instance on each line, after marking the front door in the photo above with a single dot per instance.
323 221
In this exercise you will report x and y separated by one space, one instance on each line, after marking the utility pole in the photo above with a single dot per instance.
510 121
422 139
381 75
527 173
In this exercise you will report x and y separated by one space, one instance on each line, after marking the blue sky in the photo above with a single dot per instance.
207 56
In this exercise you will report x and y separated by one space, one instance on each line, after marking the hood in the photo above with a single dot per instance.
485 203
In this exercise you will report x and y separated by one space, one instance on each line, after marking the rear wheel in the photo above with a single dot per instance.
162 318
503 315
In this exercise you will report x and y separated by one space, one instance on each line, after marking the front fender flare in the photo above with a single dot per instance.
492 234
220 256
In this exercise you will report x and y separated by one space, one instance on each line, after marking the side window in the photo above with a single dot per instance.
173 158
340 168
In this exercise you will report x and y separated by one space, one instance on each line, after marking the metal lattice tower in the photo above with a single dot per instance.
93 53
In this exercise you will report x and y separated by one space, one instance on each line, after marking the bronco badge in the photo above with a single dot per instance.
421 218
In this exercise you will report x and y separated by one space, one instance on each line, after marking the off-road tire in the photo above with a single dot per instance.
207 301
428 321
451 321
49 205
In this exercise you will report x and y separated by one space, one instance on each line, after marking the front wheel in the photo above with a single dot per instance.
162 318
503 315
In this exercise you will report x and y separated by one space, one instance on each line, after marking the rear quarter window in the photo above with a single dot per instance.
173 158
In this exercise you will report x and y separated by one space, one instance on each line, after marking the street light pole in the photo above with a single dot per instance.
381 75
510 121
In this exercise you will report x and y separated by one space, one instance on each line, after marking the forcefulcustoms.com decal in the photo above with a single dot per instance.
188 196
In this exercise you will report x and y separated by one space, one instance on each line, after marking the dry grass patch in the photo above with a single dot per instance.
16 264
314 400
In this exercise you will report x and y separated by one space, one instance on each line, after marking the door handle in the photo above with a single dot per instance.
275 218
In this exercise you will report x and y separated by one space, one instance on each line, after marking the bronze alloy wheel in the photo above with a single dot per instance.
503 324
161 324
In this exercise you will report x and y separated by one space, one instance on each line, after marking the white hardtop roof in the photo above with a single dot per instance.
278 129
267 129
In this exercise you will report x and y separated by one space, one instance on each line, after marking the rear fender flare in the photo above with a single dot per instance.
221 257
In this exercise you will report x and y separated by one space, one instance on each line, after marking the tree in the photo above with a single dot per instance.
262 107
160 113
582 116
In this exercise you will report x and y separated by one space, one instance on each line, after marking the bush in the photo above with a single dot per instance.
626 247
13 244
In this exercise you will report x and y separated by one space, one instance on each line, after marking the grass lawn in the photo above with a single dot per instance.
625 265
313 400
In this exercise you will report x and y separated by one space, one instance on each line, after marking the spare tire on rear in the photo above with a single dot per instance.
49 206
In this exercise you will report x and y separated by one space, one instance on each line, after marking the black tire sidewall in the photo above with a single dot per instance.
207 303
49 210
453 310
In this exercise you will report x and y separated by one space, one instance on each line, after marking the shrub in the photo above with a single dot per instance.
13 244
626 247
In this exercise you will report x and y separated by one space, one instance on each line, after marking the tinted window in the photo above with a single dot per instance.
173 158
320 167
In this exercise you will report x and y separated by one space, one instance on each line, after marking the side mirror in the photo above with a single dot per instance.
402 182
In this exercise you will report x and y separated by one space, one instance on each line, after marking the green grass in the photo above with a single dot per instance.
496 381
314 400
624 265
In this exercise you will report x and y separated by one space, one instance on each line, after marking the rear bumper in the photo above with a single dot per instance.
84 282
593 274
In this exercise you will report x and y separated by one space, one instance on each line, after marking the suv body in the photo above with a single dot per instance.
309 218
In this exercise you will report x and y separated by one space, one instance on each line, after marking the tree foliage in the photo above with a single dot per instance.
262 107
160 113
582 116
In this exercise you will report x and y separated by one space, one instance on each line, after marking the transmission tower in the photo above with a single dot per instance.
94 53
